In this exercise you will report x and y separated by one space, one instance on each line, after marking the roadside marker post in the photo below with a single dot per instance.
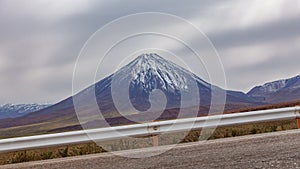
298 117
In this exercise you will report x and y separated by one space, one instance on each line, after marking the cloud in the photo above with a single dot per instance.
263 33
40 40
272 61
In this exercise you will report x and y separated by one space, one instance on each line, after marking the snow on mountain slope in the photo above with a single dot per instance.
278 91
18 110
151 65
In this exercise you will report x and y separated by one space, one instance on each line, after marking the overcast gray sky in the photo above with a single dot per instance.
258 41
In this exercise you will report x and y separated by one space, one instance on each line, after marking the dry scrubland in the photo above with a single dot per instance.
131 143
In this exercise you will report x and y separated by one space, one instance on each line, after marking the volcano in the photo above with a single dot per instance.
133 86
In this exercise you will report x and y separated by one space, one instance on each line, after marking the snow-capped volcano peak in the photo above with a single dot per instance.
146 76
151 71
151 60
149 56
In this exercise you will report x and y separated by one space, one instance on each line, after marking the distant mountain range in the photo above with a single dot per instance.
139 78
18 110
278 91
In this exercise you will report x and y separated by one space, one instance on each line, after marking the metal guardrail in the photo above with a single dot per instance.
147 129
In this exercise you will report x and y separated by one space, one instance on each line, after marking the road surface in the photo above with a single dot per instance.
270 150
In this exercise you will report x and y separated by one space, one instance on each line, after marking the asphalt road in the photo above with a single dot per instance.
271 150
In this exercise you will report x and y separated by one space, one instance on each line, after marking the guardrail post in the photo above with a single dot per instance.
298 118
155 136
155 140
298 123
